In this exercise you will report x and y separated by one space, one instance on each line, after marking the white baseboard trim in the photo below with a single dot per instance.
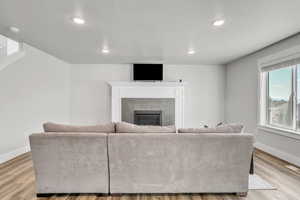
277 153
10 155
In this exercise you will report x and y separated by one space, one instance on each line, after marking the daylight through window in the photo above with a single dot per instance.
8 46
280 97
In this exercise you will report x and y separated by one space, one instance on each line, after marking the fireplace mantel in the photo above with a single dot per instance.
132 89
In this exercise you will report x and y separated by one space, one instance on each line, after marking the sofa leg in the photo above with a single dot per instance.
242 194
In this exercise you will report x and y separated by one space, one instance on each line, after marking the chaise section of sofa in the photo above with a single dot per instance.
179 163
70 162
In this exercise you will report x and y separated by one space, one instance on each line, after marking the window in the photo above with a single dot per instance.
298 99
280 96
10 51
8 46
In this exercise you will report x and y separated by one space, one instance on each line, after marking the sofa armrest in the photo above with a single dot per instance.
70 162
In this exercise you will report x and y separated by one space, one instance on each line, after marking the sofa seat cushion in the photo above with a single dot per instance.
124 127
226 128
99 128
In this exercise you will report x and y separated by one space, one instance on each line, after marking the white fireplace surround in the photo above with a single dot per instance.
134 89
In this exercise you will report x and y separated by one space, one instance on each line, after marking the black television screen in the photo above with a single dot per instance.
147 72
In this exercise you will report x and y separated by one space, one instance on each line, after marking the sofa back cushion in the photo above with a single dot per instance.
124 127
226 128
236 128
99 128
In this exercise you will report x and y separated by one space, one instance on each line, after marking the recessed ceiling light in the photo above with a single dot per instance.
78 20
191 52
14 29
105 50
219 22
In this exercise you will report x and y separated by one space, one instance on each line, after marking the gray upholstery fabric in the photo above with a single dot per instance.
99 128
179 163
226 128
124 127
205 130
236 128
70 163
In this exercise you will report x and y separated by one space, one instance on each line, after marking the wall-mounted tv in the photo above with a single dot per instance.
147 72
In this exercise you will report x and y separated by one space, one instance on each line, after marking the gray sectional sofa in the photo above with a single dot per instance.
150 160
70 162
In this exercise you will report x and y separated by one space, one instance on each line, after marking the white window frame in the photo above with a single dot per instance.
283 56
9 59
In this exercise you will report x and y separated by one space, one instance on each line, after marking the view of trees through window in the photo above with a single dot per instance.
280 105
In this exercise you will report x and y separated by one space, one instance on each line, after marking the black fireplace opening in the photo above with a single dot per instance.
148 117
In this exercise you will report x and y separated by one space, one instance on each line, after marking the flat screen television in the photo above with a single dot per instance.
147 72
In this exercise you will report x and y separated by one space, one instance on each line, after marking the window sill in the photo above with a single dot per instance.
280 131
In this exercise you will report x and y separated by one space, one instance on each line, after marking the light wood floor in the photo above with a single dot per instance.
17 183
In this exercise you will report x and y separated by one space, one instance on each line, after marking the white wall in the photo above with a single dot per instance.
241 101
33 90
204 94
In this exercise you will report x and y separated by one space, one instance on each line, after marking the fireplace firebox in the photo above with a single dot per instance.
148 117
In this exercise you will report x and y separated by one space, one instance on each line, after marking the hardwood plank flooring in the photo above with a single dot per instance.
17 182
